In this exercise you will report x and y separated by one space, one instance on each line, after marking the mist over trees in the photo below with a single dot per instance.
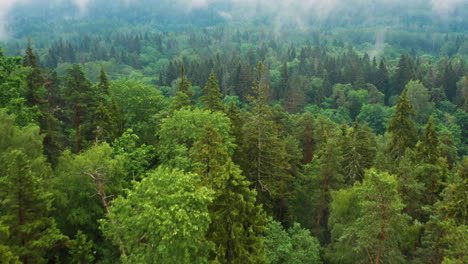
140 131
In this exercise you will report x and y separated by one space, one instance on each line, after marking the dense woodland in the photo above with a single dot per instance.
226 144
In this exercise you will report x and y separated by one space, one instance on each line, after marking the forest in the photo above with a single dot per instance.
233 132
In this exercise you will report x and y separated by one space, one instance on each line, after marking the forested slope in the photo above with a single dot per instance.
188 139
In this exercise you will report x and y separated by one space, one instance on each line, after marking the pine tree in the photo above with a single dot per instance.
328 178
47 122
79 99
237 222
184 95
106 122
368 223
383 81
405 73
264 160
25 203
212 95
402 128
284 86
358 154
449 81
428 147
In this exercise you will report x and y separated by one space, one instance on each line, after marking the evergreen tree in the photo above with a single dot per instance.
367 222
79 99
183 96
328 177
25 203
358 153
428 147
449 80
382 80
34 97
106 118
211 97
402 128
237 221
264 160
405 73
284 86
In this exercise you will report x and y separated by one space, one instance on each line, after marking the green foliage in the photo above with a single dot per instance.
141 105
402 128
24 197
81 249
162 219
294 246
419 98
180 131
237 220
211 98
375 228
358 153
135 158
83 185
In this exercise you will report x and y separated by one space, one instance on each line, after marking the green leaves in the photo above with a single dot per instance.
163 218
294 246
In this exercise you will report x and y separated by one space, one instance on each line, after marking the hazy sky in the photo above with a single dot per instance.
290 10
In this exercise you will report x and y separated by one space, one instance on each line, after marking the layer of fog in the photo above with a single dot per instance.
284 11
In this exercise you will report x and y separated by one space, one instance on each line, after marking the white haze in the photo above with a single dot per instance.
285 11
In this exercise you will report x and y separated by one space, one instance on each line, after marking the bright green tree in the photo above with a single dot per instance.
294 246
141 105
374 231
420 99
162 219
180 131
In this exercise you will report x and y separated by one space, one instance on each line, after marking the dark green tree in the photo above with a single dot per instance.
358 153
236 220
212 95
25 203
184 95
79 100
264 159
402 128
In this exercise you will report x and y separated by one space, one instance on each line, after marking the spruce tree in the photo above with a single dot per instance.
35 81
25 202
183 96
383 81
402 128
358 153
236 220
264 159
284 86
212 95
106 121
428 147
79 100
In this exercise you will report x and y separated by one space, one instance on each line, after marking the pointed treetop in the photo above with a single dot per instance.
30 57
402 127
212 95
104 83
